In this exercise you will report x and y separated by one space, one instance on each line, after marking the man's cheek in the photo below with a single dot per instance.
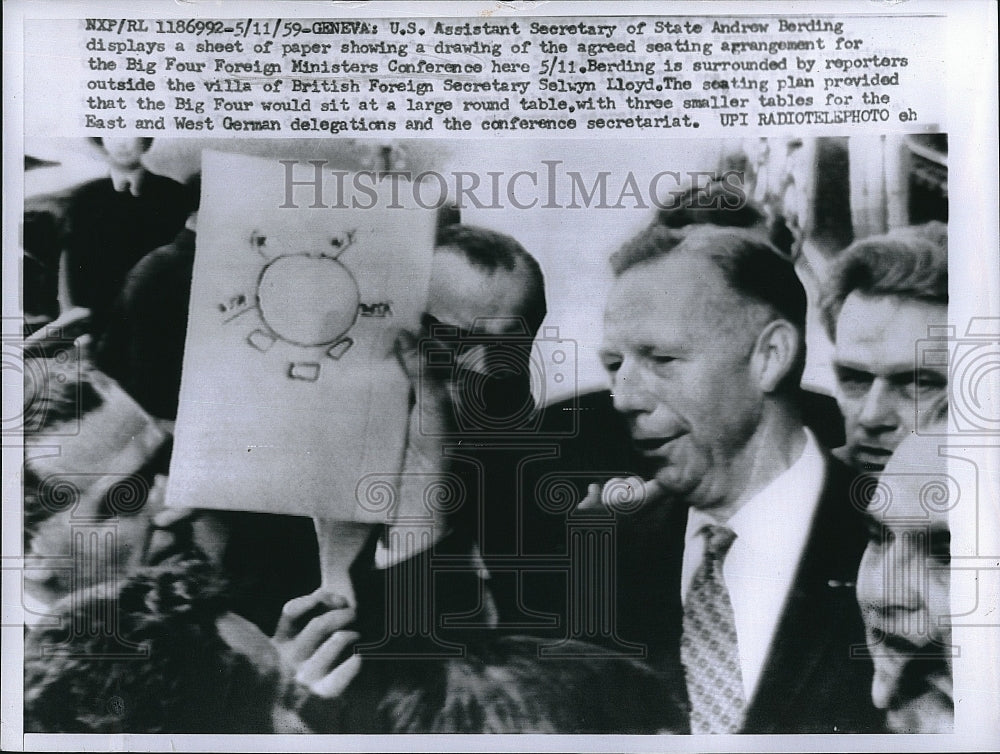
871 587
939 603
686 467
850 409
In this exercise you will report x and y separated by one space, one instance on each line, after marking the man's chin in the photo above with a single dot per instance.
931 712
677 481
915 691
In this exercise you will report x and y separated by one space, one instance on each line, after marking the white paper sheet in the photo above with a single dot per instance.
291 392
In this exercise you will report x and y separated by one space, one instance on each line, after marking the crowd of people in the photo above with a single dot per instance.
720 561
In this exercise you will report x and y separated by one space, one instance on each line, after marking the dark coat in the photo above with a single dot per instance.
817 677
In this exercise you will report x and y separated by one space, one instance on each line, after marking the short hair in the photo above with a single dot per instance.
712 204
88 676
908 263
504 685
147 142
750 265
748 262
716 203
492 251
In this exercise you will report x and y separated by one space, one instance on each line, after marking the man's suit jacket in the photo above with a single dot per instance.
107 232
811 683
817 677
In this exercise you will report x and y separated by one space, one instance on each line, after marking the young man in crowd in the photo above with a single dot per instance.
886 294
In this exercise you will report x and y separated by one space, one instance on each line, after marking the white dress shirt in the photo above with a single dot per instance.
771 530
128 180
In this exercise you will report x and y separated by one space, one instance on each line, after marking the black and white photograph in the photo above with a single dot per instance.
582 381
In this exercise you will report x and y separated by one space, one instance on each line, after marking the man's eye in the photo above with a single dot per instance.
940 547
879 535
662 365
611 364
925 383
852 381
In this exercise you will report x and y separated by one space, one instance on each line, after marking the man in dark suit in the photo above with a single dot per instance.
904 585
471 373
704 345
113 222
737 557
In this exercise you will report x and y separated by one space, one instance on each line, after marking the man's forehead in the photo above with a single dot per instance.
913 499
916 484
669 277
890 321
678 297
461 293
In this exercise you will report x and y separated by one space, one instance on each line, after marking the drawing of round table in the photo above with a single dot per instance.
308 300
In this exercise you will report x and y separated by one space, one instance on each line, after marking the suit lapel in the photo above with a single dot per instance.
817 618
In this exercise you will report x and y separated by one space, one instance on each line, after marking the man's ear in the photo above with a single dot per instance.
775 354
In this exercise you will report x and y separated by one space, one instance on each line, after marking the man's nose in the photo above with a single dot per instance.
879 410
905 584
628 391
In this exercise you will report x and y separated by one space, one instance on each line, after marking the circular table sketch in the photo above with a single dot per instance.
308 300
305 298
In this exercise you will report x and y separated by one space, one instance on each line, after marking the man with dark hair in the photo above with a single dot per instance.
158 652
493 253
885 294
704 347
485 303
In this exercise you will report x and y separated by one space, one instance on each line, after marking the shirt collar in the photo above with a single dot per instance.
802 481
128 180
